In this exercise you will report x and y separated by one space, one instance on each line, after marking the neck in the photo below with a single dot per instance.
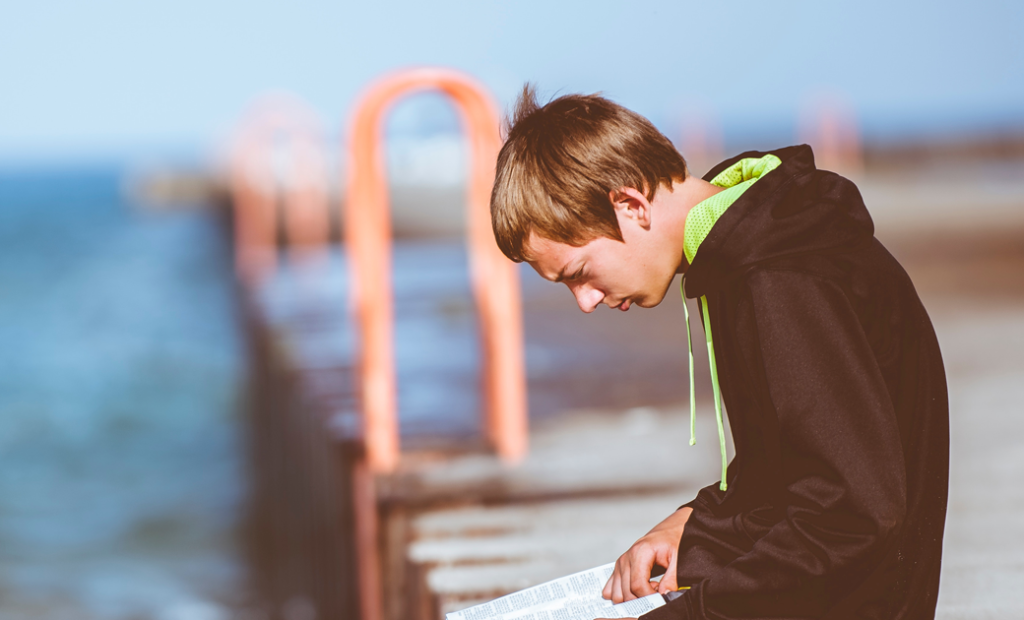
683 197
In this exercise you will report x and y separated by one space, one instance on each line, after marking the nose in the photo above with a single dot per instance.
588 298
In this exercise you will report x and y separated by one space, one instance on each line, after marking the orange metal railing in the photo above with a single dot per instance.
494 278
282 133
279 130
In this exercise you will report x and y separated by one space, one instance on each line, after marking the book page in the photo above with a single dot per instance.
591 609
573 597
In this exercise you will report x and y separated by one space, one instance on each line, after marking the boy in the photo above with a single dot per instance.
835 502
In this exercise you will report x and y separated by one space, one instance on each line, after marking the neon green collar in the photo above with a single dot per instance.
737 178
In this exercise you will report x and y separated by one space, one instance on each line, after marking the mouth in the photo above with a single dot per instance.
623 305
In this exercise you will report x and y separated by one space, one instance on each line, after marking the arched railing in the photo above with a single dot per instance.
278 175
494 279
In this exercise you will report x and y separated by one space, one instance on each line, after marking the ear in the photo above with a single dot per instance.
631 206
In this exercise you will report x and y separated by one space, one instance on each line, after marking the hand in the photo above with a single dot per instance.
632 575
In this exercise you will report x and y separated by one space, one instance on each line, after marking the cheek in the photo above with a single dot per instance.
574 289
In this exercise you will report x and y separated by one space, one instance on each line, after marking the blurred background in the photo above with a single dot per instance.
125 360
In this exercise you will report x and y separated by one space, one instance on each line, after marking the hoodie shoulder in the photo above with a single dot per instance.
799 155
795 209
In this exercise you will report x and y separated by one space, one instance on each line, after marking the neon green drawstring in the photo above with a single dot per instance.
714 384
718 392
735 180
693 397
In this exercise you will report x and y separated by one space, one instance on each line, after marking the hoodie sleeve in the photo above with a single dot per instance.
844 487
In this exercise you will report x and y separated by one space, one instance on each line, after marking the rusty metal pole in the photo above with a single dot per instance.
257 189
368 237
254 210
495 283
494 278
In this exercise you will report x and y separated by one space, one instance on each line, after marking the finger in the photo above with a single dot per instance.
621 585
640 574
606 591
615 579
668 581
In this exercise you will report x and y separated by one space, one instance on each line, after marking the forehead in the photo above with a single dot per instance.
549 258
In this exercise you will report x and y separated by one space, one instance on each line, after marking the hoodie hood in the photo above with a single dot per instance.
777 204
793 209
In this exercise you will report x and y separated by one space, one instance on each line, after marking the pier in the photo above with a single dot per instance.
356 516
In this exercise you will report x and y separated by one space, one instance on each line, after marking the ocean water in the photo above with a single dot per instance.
121 461
123 479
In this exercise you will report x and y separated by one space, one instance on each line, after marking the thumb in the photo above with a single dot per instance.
668 581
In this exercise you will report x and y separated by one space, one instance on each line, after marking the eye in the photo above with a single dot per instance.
577 275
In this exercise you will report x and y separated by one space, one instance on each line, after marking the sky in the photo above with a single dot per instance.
125 78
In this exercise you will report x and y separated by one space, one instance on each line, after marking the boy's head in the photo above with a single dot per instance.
573 194
561 161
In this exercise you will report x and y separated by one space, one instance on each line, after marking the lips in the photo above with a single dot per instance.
623 305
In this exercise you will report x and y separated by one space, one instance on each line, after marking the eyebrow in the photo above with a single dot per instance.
561 274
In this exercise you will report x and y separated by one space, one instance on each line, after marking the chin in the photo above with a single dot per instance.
647 302
650 301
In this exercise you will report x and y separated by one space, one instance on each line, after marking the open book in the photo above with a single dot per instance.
573 597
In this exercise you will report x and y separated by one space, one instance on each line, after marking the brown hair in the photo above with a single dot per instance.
559 163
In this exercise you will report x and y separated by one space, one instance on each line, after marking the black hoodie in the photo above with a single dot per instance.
833 382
